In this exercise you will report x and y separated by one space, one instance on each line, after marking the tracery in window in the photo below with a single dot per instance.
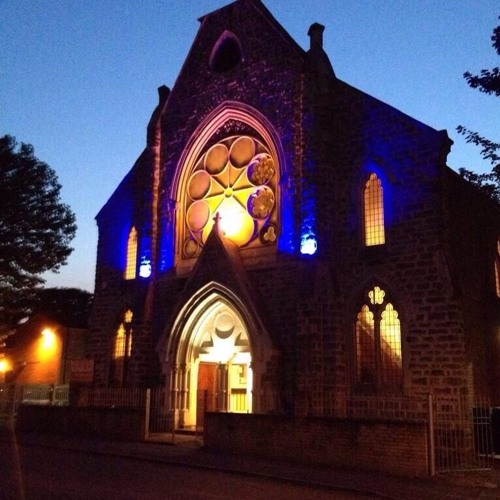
378 344
122 349
236 179
131 260
374 212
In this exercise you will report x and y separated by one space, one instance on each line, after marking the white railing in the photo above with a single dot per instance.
12 395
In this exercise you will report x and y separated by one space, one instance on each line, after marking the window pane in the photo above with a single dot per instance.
118 363
120 342
374 212
365 347
122 350
390 346
131 263
376 295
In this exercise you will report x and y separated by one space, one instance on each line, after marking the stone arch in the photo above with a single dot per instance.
215 356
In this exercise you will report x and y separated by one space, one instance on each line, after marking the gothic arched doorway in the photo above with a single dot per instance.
210 362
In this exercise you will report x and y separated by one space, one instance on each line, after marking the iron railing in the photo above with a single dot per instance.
459 428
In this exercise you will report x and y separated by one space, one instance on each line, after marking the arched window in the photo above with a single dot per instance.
226 53
497 268
122 350
235 182
131 261
373 205
378 353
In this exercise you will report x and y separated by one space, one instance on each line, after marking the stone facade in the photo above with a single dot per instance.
245 77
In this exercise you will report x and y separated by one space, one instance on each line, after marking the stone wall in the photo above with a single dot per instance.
123 424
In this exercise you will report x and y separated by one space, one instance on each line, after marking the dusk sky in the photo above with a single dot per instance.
79 79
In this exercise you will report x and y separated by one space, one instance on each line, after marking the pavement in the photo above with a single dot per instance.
188 451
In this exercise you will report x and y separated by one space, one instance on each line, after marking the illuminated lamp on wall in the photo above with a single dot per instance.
48 346
49 338
308 244
145 268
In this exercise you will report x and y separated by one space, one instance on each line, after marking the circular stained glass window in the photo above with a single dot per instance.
235 178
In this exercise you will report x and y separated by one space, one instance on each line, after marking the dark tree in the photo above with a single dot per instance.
488 81
35 228
67 306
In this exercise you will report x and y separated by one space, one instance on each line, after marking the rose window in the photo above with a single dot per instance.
236 179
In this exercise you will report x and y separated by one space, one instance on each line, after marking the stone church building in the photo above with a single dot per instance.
285 241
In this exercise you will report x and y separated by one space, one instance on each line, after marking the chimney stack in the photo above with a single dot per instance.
316 36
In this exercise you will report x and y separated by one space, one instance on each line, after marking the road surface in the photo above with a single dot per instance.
28 472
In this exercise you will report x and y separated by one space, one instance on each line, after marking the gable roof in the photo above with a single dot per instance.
260 9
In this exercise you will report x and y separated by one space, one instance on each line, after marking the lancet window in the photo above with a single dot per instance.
373 198
378 349
122 349
131 256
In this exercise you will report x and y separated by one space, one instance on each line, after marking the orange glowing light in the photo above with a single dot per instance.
4 365
235 178
235 222
49 338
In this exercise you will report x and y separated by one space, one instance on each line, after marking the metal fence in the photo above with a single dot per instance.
463 436
459 428
12 395
111 397
158 415
394 408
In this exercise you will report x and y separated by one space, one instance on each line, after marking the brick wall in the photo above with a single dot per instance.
393 447
123 424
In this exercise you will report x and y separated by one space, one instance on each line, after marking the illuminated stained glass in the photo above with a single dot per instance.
131 261
365 346
374 212
120 342
122 348
390 346
378 344
376 295
236 179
